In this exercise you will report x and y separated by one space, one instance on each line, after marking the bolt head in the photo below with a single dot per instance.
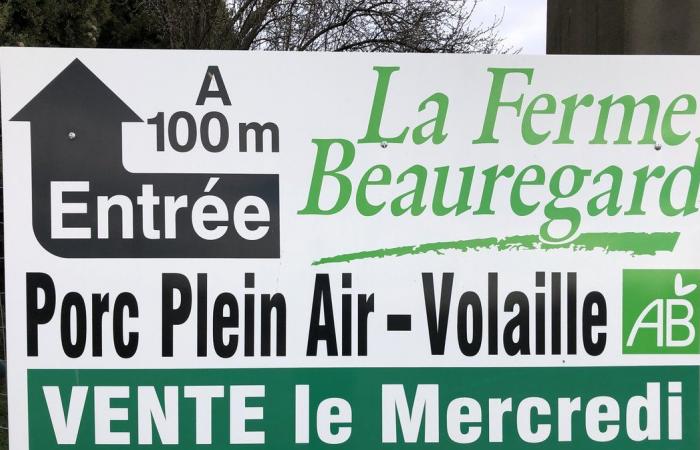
72 135
657 147
384 144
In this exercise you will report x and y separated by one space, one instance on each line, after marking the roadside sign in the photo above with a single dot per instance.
281 250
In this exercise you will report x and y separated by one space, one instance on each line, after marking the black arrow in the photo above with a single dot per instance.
76 135
76 102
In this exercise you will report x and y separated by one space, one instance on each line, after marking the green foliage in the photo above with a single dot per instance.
77 23
131 24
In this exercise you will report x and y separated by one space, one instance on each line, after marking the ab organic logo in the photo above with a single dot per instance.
660 311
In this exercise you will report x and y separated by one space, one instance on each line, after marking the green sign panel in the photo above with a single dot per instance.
556 408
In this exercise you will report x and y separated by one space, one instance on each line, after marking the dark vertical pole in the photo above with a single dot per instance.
623 27
585 26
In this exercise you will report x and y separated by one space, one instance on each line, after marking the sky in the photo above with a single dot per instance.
524 22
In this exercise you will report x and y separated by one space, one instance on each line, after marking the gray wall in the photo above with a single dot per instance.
623 27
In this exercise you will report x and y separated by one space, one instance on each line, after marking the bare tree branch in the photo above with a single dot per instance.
329 25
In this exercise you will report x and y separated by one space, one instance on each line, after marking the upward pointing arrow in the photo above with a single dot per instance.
76 136
75 90
78 103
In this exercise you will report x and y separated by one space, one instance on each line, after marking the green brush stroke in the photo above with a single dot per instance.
634 243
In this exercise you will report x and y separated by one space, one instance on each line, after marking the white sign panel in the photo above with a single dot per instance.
288 249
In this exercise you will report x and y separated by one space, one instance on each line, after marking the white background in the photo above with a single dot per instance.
329 96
